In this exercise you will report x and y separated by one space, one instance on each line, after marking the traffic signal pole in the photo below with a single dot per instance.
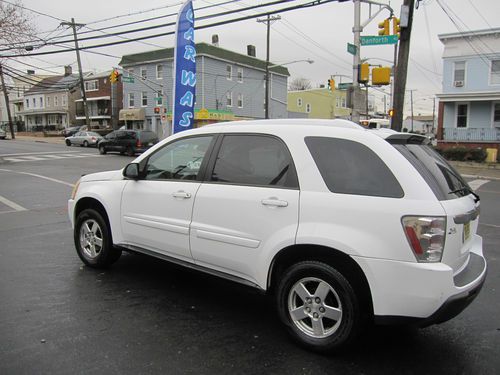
355 115
402 67
7 105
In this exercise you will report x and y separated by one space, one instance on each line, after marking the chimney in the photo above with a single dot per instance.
68 70
251 50
215 40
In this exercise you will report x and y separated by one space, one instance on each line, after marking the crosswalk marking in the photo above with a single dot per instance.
44 157
476 184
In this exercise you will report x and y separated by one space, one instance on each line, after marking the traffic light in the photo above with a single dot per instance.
381 76
384 27
113 77
364 73
157 110
396 29
391 112
331 84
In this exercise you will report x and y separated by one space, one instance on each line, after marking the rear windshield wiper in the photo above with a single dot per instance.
466 189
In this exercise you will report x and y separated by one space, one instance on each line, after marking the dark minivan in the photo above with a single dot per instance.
128 142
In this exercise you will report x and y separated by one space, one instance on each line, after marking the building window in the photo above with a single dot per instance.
240 100
130 72
159 71
343 102
27 103
459 73
48 101
495 72
159 100
91 85
56 101
337 102
462 110
240 75
496 114
64 100
299 102
131 102
229 72
144 73
144 99
229 99
34 102
308 108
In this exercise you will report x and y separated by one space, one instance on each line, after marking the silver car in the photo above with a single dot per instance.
84 139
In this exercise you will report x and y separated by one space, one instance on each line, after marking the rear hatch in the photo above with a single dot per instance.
459 201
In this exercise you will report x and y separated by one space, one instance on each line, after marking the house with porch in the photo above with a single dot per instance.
469 106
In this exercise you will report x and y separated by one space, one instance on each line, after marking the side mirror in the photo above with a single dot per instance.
131 171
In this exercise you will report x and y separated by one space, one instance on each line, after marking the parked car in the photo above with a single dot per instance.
128 142
340 224
84 139
102 131
3 134
68 132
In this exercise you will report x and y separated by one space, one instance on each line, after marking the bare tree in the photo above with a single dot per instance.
16 25
299 84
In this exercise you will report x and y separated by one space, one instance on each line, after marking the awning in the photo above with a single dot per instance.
132 114
94 98
469 97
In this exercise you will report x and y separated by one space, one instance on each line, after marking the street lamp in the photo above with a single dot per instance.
309 61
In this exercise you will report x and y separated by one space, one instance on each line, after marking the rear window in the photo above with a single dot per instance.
443 179
349 167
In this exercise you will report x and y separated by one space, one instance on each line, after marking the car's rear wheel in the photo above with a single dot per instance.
85 144
102 150
68 142
318 305
93 240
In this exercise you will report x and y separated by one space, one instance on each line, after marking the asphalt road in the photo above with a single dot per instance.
147 316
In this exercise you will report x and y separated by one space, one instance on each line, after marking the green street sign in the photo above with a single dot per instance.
127 79
376 40
345 86
351 48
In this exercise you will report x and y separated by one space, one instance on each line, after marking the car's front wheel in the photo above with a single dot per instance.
68 142
318 306
93 240
102 150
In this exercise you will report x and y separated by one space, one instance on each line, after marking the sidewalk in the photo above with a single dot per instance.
41 139
488 171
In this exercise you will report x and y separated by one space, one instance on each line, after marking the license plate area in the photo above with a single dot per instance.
466 232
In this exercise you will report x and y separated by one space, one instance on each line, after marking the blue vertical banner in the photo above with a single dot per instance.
184 70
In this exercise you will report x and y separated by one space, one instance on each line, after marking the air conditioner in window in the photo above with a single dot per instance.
458 83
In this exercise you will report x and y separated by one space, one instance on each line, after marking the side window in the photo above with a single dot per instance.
121 135
110 136
254 160
180 160
349 167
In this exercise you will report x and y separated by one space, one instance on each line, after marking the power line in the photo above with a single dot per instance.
220 23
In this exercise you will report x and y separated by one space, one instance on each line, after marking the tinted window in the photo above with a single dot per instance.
147 136
254 160
348 167
443 179
180 160
111 135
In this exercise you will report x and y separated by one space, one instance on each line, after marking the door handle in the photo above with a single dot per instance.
181 194
274 202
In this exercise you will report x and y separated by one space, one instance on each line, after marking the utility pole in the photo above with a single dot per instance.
402 67
433 114
411 106
268 21
6 96
82 84
355 62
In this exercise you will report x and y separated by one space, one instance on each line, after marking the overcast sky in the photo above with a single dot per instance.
320 33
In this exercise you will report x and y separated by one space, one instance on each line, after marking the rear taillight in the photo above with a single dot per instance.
93 139
138 144
426 236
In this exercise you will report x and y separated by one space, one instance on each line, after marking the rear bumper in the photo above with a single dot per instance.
423 293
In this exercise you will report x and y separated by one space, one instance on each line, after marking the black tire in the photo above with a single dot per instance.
130 151
338 301
90 222
85 144
102 150
68 142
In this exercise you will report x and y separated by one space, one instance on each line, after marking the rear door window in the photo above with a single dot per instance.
349 167
442 178
258 160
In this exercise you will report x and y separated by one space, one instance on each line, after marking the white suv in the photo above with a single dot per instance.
339 223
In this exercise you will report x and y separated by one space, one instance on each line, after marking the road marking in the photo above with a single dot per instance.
11 204
476 184
39 153
45 157
490 225
40 176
